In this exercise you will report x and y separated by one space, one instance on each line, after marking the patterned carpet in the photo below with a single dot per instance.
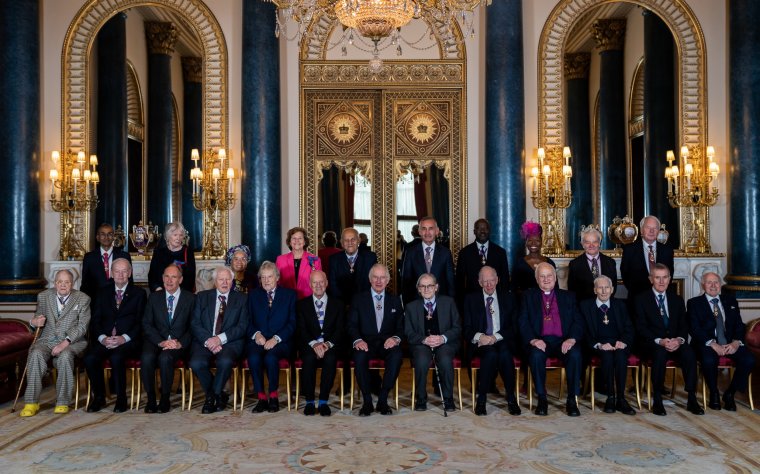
407 441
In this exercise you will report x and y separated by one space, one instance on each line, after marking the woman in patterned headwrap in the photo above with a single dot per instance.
238 258
524 273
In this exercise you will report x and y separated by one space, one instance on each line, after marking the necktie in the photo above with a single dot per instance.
594 267
62 300
220 316
105 265
663 311
379 311
170 308
483 254
651 257
429 307
351 263
320 313
428 258
720 330
604 308
270 297
489 316
119 297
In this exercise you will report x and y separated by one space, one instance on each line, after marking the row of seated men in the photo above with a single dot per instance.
222 325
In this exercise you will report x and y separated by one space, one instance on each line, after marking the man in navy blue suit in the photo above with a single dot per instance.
427 257
273 322
115 327
477 255
220 320
375 327
717 331
97 263
552 326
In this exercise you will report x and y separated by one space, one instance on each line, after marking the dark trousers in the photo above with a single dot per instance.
422 358
571 360
496 358
392 358
260 360
118 356
153 356
744 362
614 365
309 373
685 359
200 363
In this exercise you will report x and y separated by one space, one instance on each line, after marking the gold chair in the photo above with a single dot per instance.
133 365
234 378
633 363
298 365
179 365
284 367
457 369
374 364
475 366
728 363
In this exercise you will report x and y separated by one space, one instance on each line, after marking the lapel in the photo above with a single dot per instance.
70 303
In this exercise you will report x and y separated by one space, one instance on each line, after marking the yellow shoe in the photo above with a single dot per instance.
61 409
30 409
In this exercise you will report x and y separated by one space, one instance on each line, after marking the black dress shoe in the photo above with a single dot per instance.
572 408
261 406
366 410
609 405
120 406
151 407
448 405
165 405
274 405
309 410
96 405
420 406
623 407
542 409
657 408
324 410
728 401
480 409
513 408
694 407
714 403
383 408
209 406
222 400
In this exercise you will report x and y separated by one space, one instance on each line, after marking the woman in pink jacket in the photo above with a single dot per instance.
296 265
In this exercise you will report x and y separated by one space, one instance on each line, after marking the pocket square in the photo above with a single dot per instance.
393 310
733 307
76 307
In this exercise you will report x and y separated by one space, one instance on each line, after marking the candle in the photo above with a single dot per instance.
93 160
80 157
216 174
56 157
194 155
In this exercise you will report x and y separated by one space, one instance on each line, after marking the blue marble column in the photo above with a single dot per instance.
659 121
112 123
610 37
192 75
160 37
744 146
505 126
20 180
261 198
581 211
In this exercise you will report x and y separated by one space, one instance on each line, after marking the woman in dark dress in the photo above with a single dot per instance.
238 258
177 252
524 273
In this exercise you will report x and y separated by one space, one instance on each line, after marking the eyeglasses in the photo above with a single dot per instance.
426 287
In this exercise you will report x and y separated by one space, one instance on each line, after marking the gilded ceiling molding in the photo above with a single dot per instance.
161 37
609 34
393 73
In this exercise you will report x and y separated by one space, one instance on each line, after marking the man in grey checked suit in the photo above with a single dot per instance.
64 315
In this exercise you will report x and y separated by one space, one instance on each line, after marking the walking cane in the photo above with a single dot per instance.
23 376
438 378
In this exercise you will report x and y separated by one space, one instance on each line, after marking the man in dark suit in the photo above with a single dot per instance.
219 324
273 323
432 327
663 329
586 267
552 326
717 331
475 256
375 326
639 257
97 263
609 335
490 328
349 269
167 337
116 324
320 325
427 257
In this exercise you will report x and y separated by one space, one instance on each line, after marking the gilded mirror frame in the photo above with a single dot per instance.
75 86
692 95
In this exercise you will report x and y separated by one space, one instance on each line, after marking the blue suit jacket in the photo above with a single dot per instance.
279 320
702 320
414 266
532 315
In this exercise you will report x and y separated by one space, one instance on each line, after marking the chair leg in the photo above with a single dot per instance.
704 391
591 370
287 386
413 388
459 388
191 383
749 393
340 374
351 404
473 375
234 387
648 376
298 387
242 388
396 393
638 386
561 381
76 387
530 391
517 384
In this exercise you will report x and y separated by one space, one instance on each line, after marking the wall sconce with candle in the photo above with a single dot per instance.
214 195
552 194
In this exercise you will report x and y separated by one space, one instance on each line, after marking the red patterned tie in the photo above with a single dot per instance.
220 316
105 265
